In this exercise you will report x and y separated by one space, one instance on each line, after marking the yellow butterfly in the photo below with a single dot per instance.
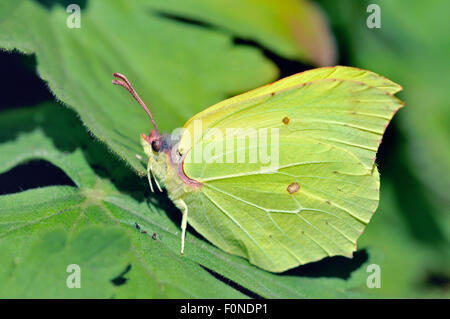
312 186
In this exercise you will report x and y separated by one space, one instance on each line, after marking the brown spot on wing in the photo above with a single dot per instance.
286 120
293 188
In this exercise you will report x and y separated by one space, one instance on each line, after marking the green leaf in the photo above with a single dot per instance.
25 215
157 268
178 69
405 262
43 271
292 28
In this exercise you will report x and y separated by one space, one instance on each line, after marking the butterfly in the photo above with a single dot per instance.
284 174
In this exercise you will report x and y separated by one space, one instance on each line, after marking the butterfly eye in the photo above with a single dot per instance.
156 145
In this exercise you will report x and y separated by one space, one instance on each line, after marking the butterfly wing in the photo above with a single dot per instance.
317 199
236 103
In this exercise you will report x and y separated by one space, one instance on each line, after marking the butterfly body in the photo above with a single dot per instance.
166 164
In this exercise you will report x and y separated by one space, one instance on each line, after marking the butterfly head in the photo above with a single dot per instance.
154 140
162 149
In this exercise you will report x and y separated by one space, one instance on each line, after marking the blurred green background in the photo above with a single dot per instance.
412 224
186 55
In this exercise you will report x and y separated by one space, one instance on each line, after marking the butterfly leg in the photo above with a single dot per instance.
182 205
149 174
149 177
157 184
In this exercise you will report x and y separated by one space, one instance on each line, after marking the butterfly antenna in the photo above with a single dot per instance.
126 84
